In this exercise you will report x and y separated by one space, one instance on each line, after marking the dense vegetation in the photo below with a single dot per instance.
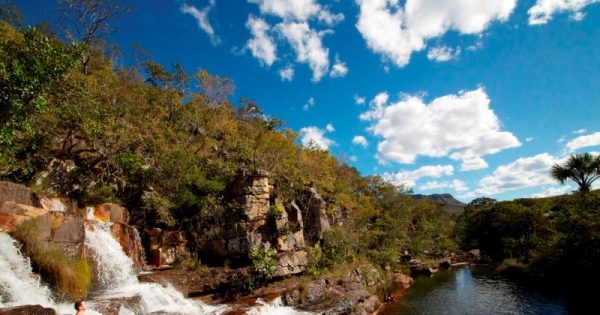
553 239
168 145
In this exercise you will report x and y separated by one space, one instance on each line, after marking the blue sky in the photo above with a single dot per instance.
470 97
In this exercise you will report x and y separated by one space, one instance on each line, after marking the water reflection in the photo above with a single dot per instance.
469 291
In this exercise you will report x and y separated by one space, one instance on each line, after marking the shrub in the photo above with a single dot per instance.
263 262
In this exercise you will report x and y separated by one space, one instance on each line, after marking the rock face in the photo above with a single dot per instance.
63 231
28 310
110 212
314 216
17 194
13 214
165 247
131 243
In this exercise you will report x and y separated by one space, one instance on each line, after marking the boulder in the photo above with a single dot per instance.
474 255
17 194
445 263
13 214
291 263
110 212
166 246
403 280
290 241
28 310
63 231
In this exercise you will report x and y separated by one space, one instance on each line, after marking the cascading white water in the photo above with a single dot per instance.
118 278
18 285
276 307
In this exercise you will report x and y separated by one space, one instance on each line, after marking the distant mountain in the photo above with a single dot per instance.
450 203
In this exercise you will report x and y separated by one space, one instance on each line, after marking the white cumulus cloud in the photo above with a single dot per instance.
329 128
339 68
361 141
308 45
462 127
443 53
359 100
455 184
409 178
310 103
287 73
201 17
396 29
590 140
314 137
552 191
261 44
544 10
524 172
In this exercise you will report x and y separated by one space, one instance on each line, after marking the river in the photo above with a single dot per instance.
475 291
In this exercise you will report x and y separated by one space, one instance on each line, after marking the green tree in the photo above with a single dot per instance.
583 169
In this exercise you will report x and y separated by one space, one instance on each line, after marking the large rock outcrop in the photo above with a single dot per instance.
17 194
28 310
314 215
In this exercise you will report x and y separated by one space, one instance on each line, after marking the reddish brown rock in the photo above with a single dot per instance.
166 246
403 280
12 214
110 212
28 310
130 241
58 204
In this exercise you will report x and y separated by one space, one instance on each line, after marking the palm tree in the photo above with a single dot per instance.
583 169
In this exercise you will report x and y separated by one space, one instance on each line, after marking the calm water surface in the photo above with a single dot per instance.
474 291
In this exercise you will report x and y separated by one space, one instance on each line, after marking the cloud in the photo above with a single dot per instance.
261 44
455 184
462 127
329 128
361 141
287 73
524 172
409 178
307 43
529 139
313 137
359 100
310 103
552 191
295 28
339 68
543 10
590 140
397 29
201 17
443 53
579 131
353 158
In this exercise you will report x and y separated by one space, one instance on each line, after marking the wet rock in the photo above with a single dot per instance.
58 204
28 310
474 255
17 194
131 243
110 212
115 305
445 263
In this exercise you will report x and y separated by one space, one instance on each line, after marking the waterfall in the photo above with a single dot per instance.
276 307
118 278
18 285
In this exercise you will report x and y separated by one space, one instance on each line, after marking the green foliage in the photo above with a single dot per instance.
583 169
538 237
30 65
263 262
